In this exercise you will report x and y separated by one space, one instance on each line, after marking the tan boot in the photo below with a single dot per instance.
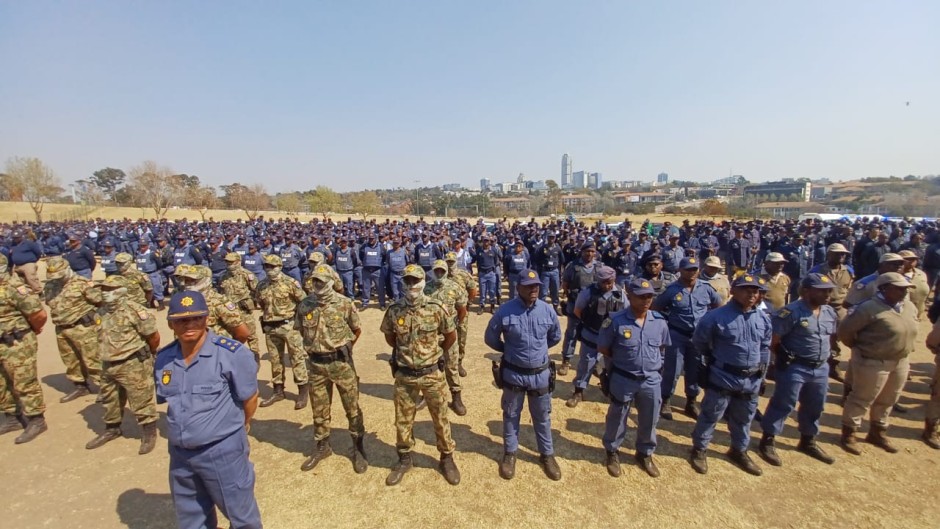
849 442
931 434
303 397
148 438
878 437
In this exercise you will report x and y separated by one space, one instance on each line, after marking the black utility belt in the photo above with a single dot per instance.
327 358
274 323
807 362
86 321
12 337
140 354
627 374
525 370
747 395
486 270
739 371
535 392
423 372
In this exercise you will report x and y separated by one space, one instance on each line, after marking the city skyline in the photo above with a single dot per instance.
375 95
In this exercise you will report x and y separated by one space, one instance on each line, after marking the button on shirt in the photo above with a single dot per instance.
804 334
524 336
685 307
635 348
735 338
205 397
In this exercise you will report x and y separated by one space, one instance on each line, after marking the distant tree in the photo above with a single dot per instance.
251 200
202 199
553 197
108 180
153 186
713 208
9 188
323 200
37 182
365 203
290 203
187 181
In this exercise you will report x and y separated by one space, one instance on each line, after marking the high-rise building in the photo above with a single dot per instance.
594 180
566 171
521 178
579 179
662 179
484 184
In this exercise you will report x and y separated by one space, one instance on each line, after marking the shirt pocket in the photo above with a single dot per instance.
206 395
730 331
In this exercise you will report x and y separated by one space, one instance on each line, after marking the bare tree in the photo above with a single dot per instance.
203 199
37 182
251 200
153 186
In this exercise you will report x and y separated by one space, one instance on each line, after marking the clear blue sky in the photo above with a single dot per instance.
379 94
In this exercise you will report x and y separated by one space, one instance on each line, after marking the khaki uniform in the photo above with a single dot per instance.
932 413
240 285
720 284
73 307
881 340
19 380
451 295
921 291
278 299
327 329
417 329
127 364
778 289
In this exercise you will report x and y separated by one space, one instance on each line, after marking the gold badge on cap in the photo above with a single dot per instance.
645 284
692 260
531 274
824 279
401 321
186 302
167 375
748 278
309 316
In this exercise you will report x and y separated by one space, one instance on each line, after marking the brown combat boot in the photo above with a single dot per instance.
647 464
80 391
699 461
692 408
399 470
34 426
613 464
360 462
849 442
809 447
550 467
148 438
744 462
461 371
112 432
576 398
12 423
507 467
303 396
878 437
322 451
931 434
768 451
564 367
449 469
277 396
456 404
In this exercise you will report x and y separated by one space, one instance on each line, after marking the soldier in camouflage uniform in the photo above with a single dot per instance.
278 296
315 259
454 298
139 286
329 325
224 317
21 318
73 302
129 340
413 326
240 285
466 280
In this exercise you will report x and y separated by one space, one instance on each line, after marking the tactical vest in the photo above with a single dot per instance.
372 256
582 276
598 309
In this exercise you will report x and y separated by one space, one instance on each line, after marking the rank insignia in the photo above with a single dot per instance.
401 321
167 375
143 314
22 291
606 323
309 316
627 334
783 313
678 297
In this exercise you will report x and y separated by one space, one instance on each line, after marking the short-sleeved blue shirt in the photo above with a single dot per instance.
524 336
733 337
685 307
205 397
804 334
635 348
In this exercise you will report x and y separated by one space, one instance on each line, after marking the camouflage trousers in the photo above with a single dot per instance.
129 382
277 338
78 348
20 380
322 379
462 329
451 364
252 323
434 389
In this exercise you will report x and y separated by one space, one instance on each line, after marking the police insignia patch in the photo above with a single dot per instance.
804 323
401 321
531 274
627 334
824 279
606 323
167 375
22 291
678 297
230 306
783 313
645 284
187 301
309 316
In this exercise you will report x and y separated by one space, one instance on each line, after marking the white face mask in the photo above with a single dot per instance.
413 292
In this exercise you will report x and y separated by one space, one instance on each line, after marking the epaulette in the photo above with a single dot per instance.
783 313
22 290
227 343
657 315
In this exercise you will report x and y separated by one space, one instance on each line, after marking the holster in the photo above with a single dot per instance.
497 374
605 382
783 359
551 377
703 371
247 304
393 363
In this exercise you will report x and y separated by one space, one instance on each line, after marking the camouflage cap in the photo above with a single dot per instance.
200 272
123 258
413 270
56 267
322 272
316 257
112 281
273 260
451 257
186 270
232 257
440 264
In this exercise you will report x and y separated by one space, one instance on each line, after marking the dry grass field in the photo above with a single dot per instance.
55 482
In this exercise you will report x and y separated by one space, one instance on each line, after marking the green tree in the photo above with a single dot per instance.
252 200
108 180
553 197
37 182
323 200
365 203
290 203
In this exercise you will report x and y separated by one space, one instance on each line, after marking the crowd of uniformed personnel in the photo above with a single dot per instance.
731 304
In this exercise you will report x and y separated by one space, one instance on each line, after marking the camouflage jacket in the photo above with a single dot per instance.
124 331
70 300
325 327
279 298
417 330
16 303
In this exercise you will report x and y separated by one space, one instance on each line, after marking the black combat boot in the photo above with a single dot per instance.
303 397
768 451
360 462
12 423
809 447
550 466
699 461
665 410
34 426
277 396
647 464
112 432
322 451
744 462
80 391
399 470
507 467
148 438
692 408
449 469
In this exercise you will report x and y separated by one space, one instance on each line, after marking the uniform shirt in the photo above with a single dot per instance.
216 260
524 335
548 257
254 263
138 285
25 252
778 287
862 290
346 260
417 329
16 303
205 397
733 337
326 326
372 256
740 252
70 300
672 257
223 313
516 262
290 256
238 284
804 334
635 348
107 262
397 260
448 292
146 262
123 331
841 277
81 258
684 307
279 298
720 283
880 331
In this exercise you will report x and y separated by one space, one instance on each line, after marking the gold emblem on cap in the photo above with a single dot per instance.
761 281
531 274
824 279
401 321
186 302
309 316
321 269
645 284
692 260
748 278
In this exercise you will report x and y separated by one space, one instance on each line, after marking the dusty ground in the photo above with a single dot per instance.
55 482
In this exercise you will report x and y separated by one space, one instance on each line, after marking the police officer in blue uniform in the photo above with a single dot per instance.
803 332
372 256
684 302
633 341
107 258
253 261
291 256
210 385
487 258
345 263
397 261
578 275
734 341
149 263
548 260
515 263
524 329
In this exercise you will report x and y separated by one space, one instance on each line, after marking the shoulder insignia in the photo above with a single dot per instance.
606 323
21 290
227 343
859 286
309 316
229 305
143 314
401 321
783 313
